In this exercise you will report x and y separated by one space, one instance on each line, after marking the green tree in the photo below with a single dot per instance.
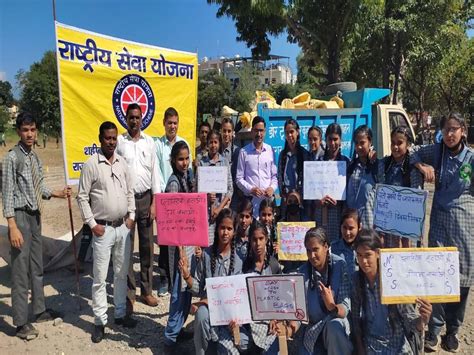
243 97
283 91
40 93
6 96
214 91
4 118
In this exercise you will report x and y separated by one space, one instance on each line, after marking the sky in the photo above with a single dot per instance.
27 28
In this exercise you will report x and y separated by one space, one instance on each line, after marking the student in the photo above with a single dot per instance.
180 301
201 150
217 202
396 170
244 220
328 295
328 211
452 217
266 215
361 175
379 328
315 139
230 151
221 259
344 247
290 164
23 193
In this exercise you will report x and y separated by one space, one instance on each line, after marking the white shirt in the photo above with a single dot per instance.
163 152
141 159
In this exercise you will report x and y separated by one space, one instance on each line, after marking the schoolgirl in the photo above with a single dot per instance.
266 215
315 144
361 175
328 211
344 247
180 302
328 294
290 163
230 151
216 201
378 328
452 217
220 259
244 220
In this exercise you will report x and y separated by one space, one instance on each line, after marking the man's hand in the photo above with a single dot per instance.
152 213
16 238
98 230
258 192
64 193
130 223
269 191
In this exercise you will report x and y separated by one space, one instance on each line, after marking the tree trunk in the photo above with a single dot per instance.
334 62
399 65
387 50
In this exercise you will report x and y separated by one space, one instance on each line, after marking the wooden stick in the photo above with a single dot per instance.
76 266
236 334
282 339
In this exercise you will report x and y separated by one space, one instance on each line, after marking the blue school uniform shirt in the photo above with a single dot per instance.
452 213
346 252
337 277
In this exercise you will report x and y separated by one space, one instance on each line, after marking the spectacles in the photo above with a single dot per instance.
451 130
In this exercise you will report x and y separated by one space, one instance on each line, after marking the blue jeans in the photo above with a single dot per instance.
451 314
115 241
180 304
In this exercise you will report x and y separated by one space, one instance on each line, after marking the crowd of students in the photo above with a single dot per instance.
341 275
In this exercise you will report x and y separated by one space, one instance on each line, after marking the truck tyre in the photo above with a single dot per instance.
344 86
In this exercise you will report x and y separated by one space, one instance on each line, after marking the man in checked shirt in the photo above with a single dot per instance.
23 191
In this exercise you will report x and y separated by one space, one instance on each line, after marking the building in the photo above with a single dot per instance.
270 72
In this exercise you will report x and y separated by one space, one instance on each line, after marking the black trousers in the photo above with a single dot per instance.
27 268
145 248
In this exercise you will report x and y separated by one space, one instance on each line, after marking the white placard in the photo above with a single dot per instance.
400 210
228 299
277 297
321 178
212 179
430 273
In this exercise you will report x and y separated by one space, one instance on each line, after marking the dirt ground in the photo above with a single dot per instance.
72 335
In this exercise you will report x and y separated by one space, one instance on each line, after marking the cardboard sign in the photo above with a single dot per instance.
181 219
212 179
321 178
290 236
228 299
280 297
429 273
400 210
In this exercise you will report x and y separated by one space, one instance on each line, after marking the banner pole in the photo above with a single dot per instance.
54 10
76 266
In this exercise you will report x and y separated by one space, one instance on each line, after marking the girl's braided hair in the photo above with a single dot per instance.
225 213
249 263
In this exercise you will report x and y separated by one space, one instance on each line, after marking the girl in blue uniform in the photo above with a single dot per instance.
452 218
220 259
328 295
180 302
328 211
266 216
315 153
244 220
378 328
361 175
290 164
344 246
216 202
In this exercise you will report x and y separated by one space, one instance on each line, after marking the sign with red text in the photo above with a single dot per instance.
290 237
280 297
228 299
181 219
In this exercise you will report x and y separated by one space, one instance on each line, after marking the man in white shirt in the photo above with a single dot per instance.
138 149
163 151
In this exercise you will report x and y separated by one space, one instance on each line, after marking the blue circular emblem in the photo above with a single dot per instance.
130 89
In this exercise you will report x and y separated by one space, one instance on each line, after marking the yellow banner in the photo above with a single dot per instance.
99 76
290 238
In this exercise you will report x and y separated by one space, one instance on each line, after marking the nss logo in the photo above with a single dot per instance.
130 89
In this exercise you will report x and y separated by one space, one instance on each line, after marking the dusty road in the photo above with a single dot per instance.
72 336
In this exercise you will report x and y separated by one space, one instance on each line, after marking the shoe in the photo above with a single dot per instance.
98 334
431 342
184 336
129 307
48 315
149 300
450 343
127 322
163 291
27 332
